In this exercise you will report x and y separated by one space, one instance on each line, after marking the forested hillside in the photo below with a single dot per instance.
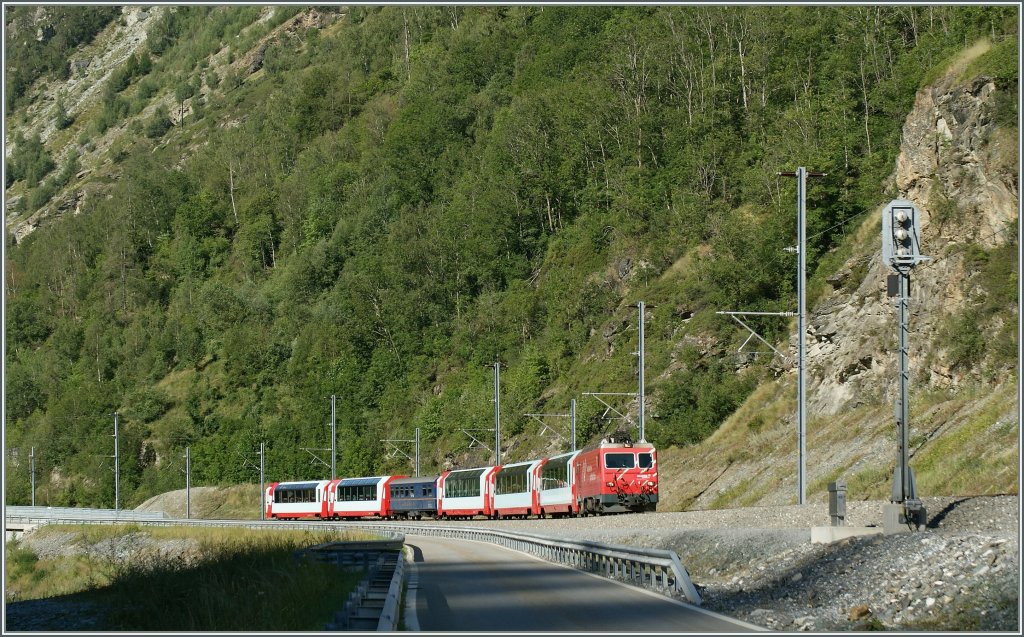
271 206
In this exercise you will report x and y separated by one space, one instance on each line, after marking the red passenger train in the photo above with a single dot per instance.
615 475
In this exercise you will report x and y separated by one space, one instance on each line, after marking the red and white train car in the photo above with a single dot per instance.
557 486
616 475
465 493
294 500
330 499
360 497
515 489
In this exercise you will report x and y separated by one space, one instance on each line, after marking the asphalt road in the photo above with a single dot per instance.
476 586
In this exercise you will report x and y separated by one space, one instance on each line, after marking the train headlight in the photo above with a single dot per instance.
609 484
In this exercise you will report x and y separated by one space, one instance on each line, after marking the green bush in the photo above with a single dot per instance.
159 124
30 161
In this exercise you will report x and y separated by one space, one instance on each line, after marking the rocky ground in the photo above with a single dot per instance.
961 572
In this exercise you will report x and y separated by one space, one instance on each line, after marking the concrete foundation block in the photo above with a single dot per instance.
829 534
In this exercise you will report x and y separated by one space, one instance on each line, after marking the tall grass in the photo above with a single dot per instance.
254 584
233 580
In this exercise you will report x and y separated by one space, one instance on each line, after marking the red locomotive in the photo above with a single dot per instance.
616 475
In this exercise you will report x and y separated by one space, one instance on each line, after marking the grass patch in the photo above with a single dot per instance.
727 498
970 459
872 483
248 585
235 579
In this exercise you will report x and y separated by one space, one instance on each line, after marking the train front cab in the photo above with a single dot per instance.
360 497
465 493
515 490
617 476
557 485
413 498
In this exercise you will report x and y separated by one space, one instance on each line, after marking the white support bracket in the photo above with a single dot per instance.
736 317
395 450
476 441
608 407
544 425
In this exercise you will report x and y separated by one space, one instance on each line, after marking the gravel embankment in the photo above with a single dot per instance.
962 572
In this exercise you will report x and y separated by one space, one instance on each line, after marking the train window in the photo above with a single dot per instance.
463 486
512 480
646 460
555 474
619 461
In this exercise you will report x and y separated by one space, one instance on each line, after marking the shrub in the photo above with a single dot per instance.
159 124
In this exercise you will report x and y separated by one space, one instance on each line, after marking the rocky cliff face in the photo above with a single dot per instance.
91 67
959 168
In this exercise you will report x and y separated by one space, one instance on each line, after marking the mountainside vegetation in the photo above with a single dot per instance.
379 203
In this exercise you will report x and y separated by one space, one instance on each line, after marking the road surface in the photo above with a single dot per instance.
477 586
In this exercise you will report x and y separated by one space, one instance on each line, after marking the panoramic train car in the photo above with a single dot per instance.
615 476
359 497
294 500
414 498
557 486
515 489
465 493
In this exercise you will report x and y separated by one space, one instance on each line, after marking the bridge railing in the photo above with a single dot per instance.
656 569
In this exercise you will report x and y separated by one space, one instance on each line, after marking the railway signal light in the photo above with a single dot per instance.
901 231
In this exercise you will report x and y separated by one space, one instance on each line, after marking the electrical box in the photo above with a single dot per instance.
837 502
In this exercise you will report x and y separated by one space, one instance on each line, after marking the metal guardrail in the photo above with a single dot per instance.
374 602
39 514
389 615
656 569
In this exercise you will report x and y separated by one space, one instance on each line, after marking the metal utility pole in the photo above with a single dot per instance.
572 421
640 353
334 438
497 412
188 485
32 464
263 493
417 452
117 469
801 311
801 175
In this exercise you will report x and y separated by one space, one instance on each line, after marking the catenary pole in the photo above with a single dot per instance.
188 485
334 437
497 412
32 462
572 421
117 468
263 493
417 452
640 353
802 331
801 175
